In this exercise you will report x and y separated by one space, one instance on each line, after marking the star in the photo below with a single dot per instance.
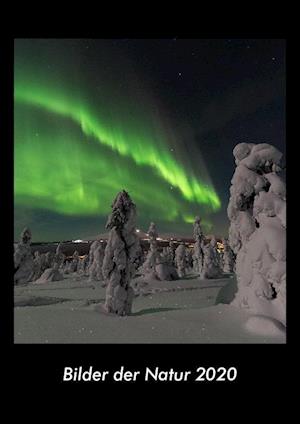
179 73
273 58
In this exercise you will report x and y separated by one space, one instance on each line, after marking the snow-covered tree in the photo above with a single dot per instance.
95 271
166 255
83 264
59 257
140 259
148 268
257 233
38 266
198 252
189 259
93 247
49 260
228 261
120 253
180 260
211 264
217 257
171 250
72 266
165 267
152 233
23 260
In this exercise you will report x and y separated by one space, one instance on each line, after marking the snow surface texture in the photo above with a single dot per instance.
198 255
181 311
257 233
120 255
23 260
211 262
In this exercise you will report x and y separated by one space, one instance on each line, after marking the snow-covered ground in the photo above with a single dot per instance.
183 311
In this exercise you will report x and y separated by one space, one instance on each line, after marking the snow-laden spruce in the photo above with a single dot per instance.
165 267
148 268
83 265
257 234
93 247
49 260
38 265
23 260
59 257
217 255
95 271
228 260
198 254
211 260
120 253
139 260
171 252
72 265
180 260
189 259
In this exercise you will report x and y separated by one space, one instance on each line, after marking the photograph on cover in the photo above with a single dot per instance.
149 191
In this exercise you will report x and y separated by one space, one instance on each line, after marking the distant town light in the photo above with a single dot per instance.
77 241
137 230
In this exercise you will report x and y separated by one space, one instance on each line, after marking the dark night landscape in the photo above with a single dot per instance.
149 191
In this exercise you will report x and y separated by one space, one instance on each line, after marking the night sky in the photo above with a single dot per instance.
158 118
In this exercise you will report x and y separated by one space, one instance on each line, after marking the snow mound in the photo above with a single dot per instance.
264 326
50 274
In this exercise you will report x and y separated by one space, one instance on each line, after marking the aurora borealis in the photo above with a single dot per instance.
89 122
75 150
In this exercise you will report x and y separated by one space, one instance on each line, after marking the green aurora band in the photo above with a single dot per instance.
72 156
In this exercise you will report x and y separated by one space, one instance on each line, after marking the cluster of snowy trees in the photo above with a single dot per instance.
45 267
255 250
38 268
168 264
159 265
